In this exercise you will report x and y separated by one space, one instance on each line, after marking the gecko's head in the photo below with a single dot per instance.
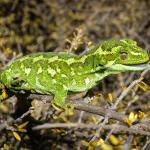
125 54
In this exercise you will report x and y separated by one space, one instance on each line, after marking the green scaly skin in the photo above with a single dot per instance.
58 73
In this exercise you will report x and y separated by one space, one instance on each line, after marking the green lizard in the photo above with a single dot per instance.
59 73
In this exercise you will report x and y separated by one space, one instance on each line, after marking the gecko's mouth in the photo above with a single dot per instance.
137 65
128 67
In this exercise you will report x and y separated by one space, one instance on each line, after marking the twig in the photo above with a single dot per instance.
49 97
118 128
125 92
128 143
99 111
147 145
119 99
24 115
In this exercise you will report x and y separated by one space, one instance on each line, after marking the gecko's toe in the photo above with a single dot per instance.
57 107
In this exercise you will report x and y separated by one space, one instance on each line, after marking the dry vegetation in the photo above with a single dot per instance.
117 116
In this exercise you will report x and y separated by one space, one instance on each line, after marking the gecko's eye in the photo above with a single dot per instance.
123 55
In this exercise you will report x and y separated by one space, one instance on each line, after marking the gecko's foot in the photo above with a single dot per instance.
56 107
64 110
68 111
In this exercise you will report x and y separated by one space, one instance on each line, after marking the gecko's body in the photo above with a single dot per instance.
58 73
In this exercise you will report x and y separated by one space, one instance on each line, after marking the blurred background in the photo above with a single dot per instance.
44 25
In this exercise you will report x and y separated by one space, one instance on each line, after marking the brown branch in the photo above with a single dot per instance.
80 105
49 97
117 128
97 110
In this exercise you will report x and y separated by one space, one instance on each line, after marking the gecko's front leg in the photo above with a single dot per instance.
60 95
59 102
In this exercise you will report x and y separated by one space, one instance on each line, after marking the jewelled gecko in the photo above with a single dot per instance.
59 73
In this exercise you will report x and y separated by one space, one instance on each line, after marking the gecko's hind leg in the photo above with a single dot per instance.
60 96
